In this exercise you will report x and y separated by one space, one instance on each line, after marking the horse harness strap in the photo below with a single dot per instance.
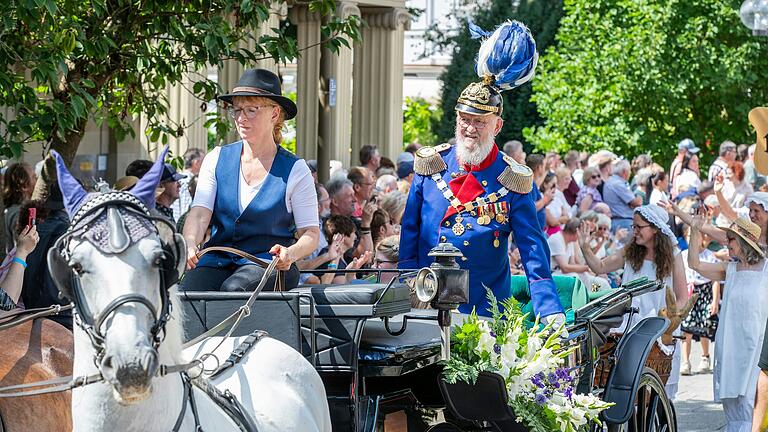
21 316
239 352
67 383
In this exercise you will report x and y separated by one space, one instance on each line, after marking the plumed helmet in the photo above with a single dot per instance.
507 59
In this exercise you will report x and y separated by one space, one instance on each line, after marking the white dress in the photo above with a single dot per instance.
739 337
649 305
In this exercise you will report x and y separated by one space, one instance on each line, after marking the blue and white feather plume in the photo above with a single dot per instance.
507 56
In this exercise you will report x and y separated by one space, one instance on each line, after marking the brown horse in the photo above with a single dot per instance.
36 350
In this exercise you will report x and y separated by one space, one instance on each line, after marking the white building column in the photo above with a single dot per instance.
377 107
335 126
307 82
232 70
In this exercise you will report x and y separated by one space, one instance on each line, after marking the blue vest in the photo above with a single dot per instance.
264 223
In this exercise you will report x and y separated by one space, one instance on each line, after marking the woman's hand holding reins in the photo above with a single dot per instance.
283 255
192 257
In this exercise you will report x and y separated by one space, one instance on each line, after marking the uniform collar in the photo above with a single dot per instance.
491 158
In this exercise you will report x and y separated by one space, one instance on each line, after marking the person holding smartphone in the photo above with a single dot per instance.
13 267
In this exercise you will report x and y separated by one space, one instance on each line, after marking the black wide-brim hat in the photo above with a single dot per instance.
261 83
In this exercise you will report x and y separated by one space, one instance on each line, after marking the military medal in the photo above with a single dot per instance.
458 228
499 212
496 240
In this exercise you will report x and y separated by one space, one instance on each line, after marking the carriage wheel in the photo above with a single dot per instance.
653 410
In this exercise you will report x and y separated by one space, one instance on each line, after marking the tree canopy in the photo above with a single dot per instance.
638 76
66 62
542 18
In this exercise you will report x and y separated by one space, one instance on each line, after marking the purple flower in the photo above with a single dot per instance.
492 333
540 399
552 377
563 374
568 393
537 380
497 348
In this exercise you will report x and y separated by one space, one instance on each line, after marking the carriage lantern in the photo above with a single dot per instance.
445 286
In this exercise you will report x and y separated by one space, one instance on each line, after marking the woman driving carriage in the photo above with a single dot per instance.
256 196
652 253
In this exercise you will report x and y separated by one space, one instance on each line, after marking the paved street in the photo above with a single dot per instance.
695 410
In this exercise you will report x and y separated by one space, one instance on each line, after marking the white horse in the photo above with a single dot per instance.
122 293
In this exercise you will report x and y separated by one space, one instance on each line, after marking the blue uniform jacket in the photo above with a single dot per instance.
424 225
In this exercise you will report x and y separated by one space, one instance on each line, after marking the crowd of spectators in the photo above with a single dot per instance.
596 210
588 207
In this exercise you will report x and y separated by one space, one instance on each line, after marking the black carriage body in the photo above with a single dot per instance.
368 373
370 368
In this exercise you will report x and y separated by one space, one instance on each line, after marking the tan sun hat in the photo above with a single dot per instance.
126 183
748 231
759 119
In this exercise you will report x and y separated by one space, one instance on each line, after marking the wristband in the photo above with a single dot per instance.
364 228
20 261
332 266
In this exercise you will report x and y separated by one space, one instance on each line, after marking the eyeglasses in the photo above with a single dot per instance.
602 228
250 111
596 176
377 262
637 227
478 124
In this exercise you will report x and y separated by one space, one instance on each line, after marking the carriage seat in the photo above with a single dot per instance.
572 292
358 300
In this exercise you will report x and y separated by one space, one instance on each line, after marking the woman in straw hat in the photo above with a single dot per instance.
652 253
255 195
742 317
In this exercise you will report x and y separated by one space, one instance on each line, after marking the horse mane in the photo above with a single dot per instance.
173 344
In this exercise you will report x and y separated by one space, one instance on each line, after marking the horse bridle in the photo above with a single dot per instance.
68 281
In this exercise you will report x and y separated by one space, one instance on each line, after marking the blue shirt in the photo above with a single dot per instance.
618 195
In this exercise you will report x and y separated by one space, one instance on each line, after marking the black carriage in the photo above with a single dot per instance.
377 356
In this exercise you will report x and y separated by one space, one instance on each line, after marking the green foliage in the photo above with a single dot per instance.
638 76
541 16
67 62
289 131
418 118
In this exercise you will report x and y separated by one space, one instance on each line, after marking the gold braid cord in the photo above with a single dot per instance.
516 177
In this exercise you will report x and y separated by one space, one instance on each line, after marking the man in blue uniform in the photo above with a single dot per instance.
472 196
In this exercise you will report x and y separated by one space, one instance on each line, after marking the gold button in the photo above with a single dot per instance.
463 258
466 243
485 183
473 213
447 223
443 239
454 175
469 226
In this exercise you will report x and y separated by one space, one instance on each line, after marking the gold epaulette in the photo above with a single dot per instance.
516 177
428 160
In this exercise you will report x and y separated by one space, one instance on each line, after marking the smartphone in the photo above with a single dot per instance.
32 216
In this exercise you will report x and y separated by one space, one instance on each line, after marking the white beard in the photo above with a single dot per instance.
474 157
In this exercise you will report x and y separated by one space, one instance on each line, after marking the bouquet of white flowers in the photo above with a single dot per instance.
531 361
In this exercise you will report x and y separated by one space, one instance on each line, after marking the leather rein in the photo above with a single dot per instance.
69 383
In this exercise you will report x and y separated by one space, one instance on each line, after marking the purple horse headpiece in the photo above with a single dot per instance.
75 196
